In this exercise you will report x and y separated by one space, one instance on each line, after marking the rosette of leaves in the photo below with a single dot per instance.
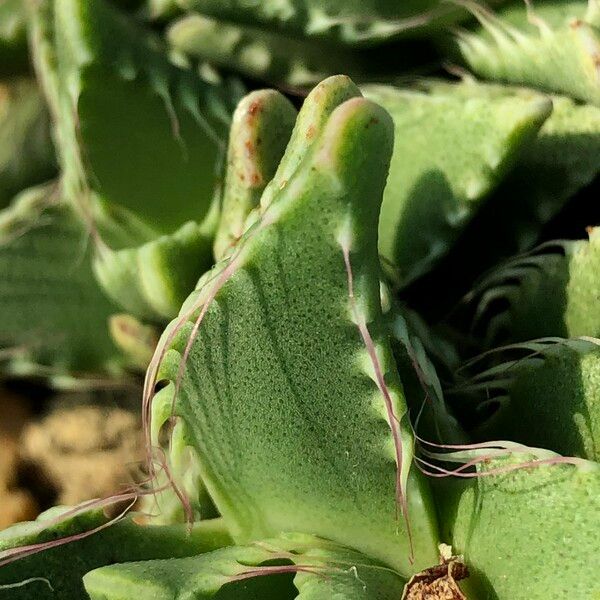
281 382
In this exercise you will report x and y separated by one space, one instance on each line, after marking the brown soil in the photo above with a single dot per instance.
73 453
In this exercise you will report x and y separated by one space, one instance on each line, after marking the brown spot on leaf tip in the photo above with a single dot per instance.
438 582
254 108
310 132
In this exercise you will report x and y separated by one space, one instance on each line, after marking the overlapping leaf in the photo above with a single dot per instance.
432 192
548 397
144 135
526 532
56 572
53 315
324 570
550 292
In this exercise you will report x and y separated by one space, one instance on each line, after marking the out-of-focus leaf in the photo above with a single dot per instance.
53 314
26 152
551 45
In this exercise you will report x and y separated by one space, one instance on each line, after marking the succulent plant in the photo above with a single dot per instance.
321 418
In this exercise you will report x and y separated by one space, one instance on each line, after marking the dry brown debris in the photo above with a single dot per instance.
438 582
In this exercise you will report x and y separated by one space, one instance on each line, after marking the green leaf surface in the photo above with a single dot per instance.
352 22
325 571
261 128
26 152
529 533
119 82
552 45
279 393
432 192
57 572
262 54
53 314
552 291
548 398
561 161
145 137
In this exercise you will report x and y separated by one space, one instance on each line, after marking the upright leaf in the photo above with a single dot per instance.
286 386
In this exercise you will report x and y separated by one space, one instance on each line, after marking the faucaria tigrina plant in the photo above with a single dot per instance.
343 403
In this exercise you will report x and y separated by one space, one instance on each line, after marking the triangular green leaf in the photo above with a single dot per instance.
432 192
292 361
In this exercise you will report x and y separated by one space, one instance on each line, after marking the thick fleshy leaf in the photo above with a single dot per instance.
52 312
353 22
108 79
152 280
324 570
526 533
550 292
120 82
432 192
57 572
553 45
548 398
261 128
292 361
560 162
261 54
26 152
